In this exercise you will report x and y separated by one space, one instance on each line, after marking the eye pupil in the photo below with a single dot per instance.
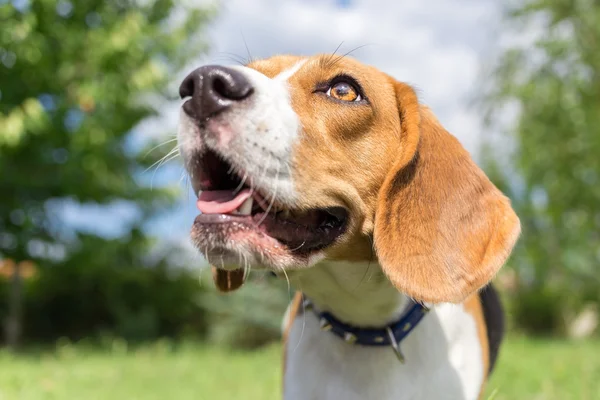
344 91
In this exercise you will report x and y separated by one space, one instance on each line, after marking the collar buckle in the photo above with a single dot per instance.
390 335
395 345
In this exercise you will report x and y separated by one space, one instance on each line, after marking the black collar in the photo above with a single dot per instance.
390 335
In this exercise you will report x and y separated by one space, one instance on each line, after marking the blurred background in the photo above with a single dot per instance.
101 293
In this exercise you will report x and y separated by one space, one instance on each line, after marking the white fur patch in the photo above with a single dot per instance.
261 132
443 354
288 73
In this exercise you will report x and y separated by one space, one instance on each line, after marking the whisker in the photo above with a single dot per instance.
289 286
186 183
249 60
299 247
170 153
246 267
173 154
241 185
195 258
232 57
303 318
230 170
272 198
206 255
183 178
262 258
289 169
348 53
160 145
264 172
269 207
326 63
368 265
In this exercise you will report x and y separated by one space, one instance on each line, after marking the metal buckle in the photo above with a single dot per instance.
325 325
350 338
307 305
395 345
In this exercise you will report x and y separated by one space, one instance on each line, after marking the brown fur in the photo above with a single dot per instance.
473 306
417 202
440 228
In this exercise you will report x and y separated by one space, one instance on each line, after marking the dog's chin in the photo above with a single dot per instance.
233 246
231 242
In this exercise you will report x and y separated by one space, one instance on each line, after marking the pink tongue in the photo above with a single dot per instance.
221 201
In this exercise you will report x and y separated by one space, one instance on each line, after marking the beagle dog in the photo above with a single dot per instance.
331 173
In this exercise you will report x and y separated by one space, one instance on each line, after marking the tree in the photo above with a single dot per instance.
76 77
554 174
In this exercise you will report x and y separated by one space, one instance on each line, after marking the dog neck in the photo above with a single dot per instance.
358 294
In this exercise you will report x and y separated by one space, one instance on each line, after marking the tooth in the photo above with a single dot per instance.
199 193
246 207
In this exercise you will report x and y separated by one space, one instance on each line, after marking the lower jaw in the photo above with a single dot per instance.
233 244
266 232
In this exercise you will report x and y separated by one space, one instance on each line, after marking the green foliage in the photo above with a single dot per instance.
76 78
538 311
555 182
90 297
249 317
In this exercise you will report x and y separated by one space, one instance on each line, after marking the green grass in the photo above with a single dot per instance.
528 369
546 370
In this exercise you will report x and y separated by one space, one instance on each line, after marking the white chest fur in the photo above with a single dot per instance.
443 354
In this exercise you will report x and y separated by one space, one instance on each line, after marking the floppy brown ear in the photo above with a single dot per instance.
227 281
442 229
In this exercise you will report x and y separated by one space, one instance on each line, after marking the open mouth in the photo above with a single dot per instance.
228 201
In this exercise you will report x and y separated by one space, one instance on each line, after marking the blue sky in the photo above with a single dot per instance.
440 46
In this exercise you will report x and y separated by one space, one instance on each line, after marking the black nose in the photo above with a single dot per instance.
213 89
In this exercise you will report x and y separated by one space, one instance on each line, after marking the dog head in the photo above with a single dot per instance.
296 160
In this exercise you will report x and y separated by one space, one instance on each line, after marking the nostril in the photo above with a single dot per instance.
213 89
241 92
229 84
220 87
186 89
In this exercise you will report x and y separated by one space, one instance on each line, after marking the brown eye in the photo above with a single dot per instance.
343 91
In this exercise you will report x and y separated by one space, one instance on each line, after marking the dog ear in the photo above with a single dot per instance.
228 281
442 229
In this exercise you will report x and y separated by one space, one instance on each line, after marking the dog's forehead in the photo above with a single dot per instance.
273 66
317 66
